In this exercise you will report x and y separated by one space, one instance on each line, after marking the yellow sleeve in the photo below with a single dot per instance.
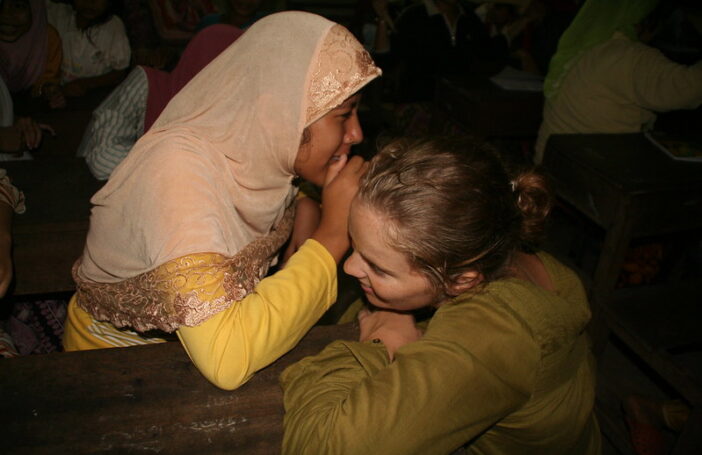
231 346
350 399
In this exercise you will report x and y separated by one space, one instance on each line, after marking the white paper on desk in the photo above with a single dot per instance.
678 149
15 157
513 79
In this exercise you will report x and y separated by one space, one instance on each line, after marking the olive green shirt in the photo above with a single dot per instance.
506 371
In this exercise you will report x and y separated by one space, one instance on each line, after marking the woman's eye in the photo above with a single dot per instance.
377 270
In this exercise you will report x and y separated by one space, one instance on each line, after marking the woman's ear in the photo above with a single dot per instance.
464 282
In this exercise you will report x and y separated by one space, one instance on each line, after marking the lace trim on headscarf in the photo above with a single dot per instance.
344 68
168 296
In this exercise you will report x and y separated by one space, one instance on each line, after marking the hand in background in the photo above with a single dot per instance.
54 96
393 329
31 131
74 89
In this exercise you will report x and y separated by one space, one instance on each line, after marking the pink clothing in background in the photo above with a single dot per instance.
201 50
23 61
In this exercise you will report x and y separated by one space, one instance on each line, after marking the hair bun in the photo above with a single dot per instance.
534 200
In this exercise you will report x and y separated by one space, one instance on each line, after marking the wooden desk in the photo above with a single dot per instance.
147 399
628 187
483 108
50 235
660 324
631 189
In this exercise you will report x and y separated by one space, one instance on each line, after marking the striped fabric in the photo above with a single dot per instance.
115 125
111 336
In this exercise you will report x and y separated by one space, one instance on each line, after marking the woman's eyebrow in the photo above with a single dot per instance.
374 264
349 104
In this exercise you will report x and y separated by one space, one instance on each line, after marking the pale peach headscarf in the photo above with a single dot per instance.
214 172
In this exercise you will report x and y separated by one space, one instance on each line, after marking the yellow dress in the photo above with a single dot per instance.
507 371
250 334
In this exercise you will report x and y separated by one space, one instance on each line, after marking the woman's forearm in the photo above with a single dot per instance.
231 346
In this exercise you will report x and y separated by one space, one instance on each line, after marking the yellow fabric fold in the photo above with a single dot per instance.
232 345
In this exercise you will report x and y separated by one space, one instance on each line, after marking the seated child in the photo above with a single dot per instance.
135 104
30 51
503 366
96 49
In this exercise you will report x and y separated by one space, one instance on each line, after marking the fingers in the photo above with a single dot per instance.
54 95
334 169
57 102
30 132
48 128
357 165
355 168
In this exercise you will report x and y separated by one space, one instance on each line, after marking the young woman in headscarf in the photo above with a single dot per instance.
605 79
184 231
30 52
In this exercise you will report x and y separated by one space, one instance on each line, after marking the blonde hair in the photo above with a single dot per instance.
453 208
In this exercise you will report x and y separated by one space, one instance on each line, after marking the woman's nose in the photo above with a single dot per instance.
354 132
351 265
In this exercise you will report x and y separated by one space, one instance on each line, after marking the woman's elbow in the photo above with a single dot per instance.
227 380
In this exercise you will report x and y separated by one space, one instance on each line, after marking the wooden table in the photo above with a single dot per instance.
146 399
632 189
481 107
57 185
628 187
660 325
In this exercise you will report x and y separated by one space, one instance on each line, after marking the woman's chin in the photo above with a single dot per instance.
373 300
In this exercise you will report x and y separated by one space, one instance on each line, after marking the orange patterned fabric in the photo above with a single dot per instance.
342 68
184 291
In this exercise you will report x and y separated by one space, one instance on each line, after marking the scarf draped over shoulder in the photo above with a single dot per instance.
213 174
203 48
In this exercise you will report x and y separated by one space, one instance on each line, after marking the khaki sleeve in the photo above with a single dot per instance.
231 346
659 84
437 394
